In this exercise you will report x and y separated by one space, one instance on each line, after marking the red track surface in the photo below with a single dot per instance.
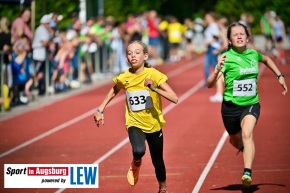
194 128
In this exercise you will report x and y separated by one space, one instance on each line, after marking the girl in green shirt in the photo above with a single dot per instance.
238 68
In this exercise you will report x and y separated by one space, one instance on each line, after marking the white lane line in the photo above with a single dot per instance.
55 100
89 113
58 128
210 163
217 150
165 111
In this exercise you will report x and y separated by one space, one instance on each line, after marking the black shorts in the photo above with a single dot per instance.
233 115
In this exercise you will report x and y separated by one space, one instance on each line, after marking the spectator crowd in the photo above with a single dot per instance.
49 60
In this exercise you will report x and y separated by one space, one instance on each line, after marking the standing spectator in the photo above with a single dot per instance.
247 20
5 48
86 28
279 35
250 20
222 24
97 31
40 48
211 41
153 33
22 22
243 19
239 67
188 36
163 26
175 34
198 35
76 26
119 34
86 54
134 27
74 18
144 118
266 28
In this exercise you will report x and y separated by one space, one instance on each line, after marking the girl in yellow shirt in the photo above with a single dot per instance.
144 87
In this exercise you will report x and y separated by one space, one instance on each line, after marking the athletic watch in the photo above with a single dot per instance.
280 75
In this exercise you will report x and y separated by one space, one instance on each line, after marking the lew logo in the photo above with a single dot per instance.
83 175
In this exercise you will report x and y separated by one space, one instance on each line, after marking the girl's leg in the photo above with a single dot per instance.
236 140
155 143
137 140
248 123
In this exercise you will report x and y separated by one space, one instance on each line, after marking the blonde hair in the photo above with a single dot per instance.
4 22
144 48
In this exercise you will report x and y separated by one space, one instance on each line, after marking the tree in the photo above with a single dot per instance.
233 8
181 9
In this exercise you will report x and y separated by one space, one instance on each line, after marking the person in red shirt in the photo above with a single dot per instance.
153 33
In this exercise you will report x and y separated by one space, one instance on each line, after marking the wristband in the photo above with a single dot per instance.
154 89
280 75
99 111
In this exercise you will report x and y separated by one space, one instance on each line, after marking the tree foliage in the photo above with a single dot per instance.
181 9
232 9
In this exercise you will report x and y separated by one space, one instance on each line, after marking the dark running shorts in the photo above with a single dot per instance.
233 115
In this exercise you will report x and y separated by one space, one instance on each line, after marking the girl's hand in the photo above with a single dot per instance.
99 118
220 63
148 82
283 83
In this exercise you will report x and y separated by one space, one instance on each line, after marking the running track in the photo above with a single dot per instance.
197 154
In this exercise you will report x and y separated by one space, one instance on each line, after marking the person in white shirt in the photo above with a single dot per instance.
39 45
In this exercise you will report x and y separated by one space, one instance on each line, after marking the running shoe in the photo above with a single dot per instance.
162 191
133 174
246 181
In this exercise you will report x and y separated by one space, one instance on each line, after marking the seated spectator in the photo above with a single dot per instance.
87 53
20 70
60 76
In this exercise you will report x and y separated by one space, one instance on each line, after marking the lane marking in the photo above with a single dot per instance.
217 150
58 128
58 99
210 163
91 112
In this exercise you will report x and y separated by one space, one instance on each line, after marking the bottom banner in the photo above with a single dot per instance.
51 176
